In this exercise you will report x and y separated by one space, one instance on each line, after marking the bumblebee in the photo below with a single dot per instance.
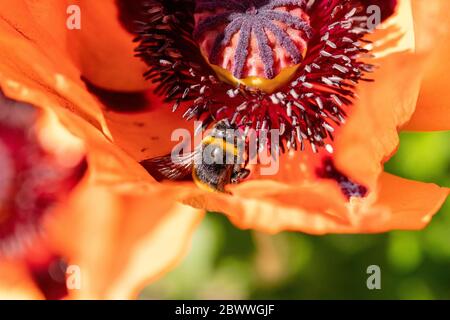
216 162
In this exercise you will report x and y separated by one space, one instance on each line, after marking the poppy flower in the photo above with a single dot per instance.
350 91
62 219
124 228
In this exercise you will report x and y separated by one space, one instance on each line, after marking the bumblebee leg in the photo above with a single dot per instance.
240 175
244 173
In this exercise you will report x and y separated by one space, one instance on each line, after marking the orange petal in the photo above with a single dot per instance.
411 204
126 242
270 207
104 50
16 283
370 135
147 131
318 209
31 59
432 29
101 51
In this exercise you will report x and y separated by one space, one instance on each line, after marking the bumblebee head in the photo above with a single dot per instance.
227 140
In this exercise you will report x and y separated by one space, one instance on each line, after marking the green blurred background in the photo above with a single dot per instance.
228 263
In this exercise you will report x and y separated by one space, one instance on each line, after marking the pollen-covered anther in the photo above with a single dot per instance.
253 42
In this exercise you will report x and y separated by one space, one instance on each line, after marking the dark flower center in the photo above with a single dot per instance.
49 274
348 187
184 42
305 110
31 180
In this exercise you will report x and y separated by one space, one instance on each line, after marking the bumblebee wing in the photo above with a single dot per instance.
166 168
